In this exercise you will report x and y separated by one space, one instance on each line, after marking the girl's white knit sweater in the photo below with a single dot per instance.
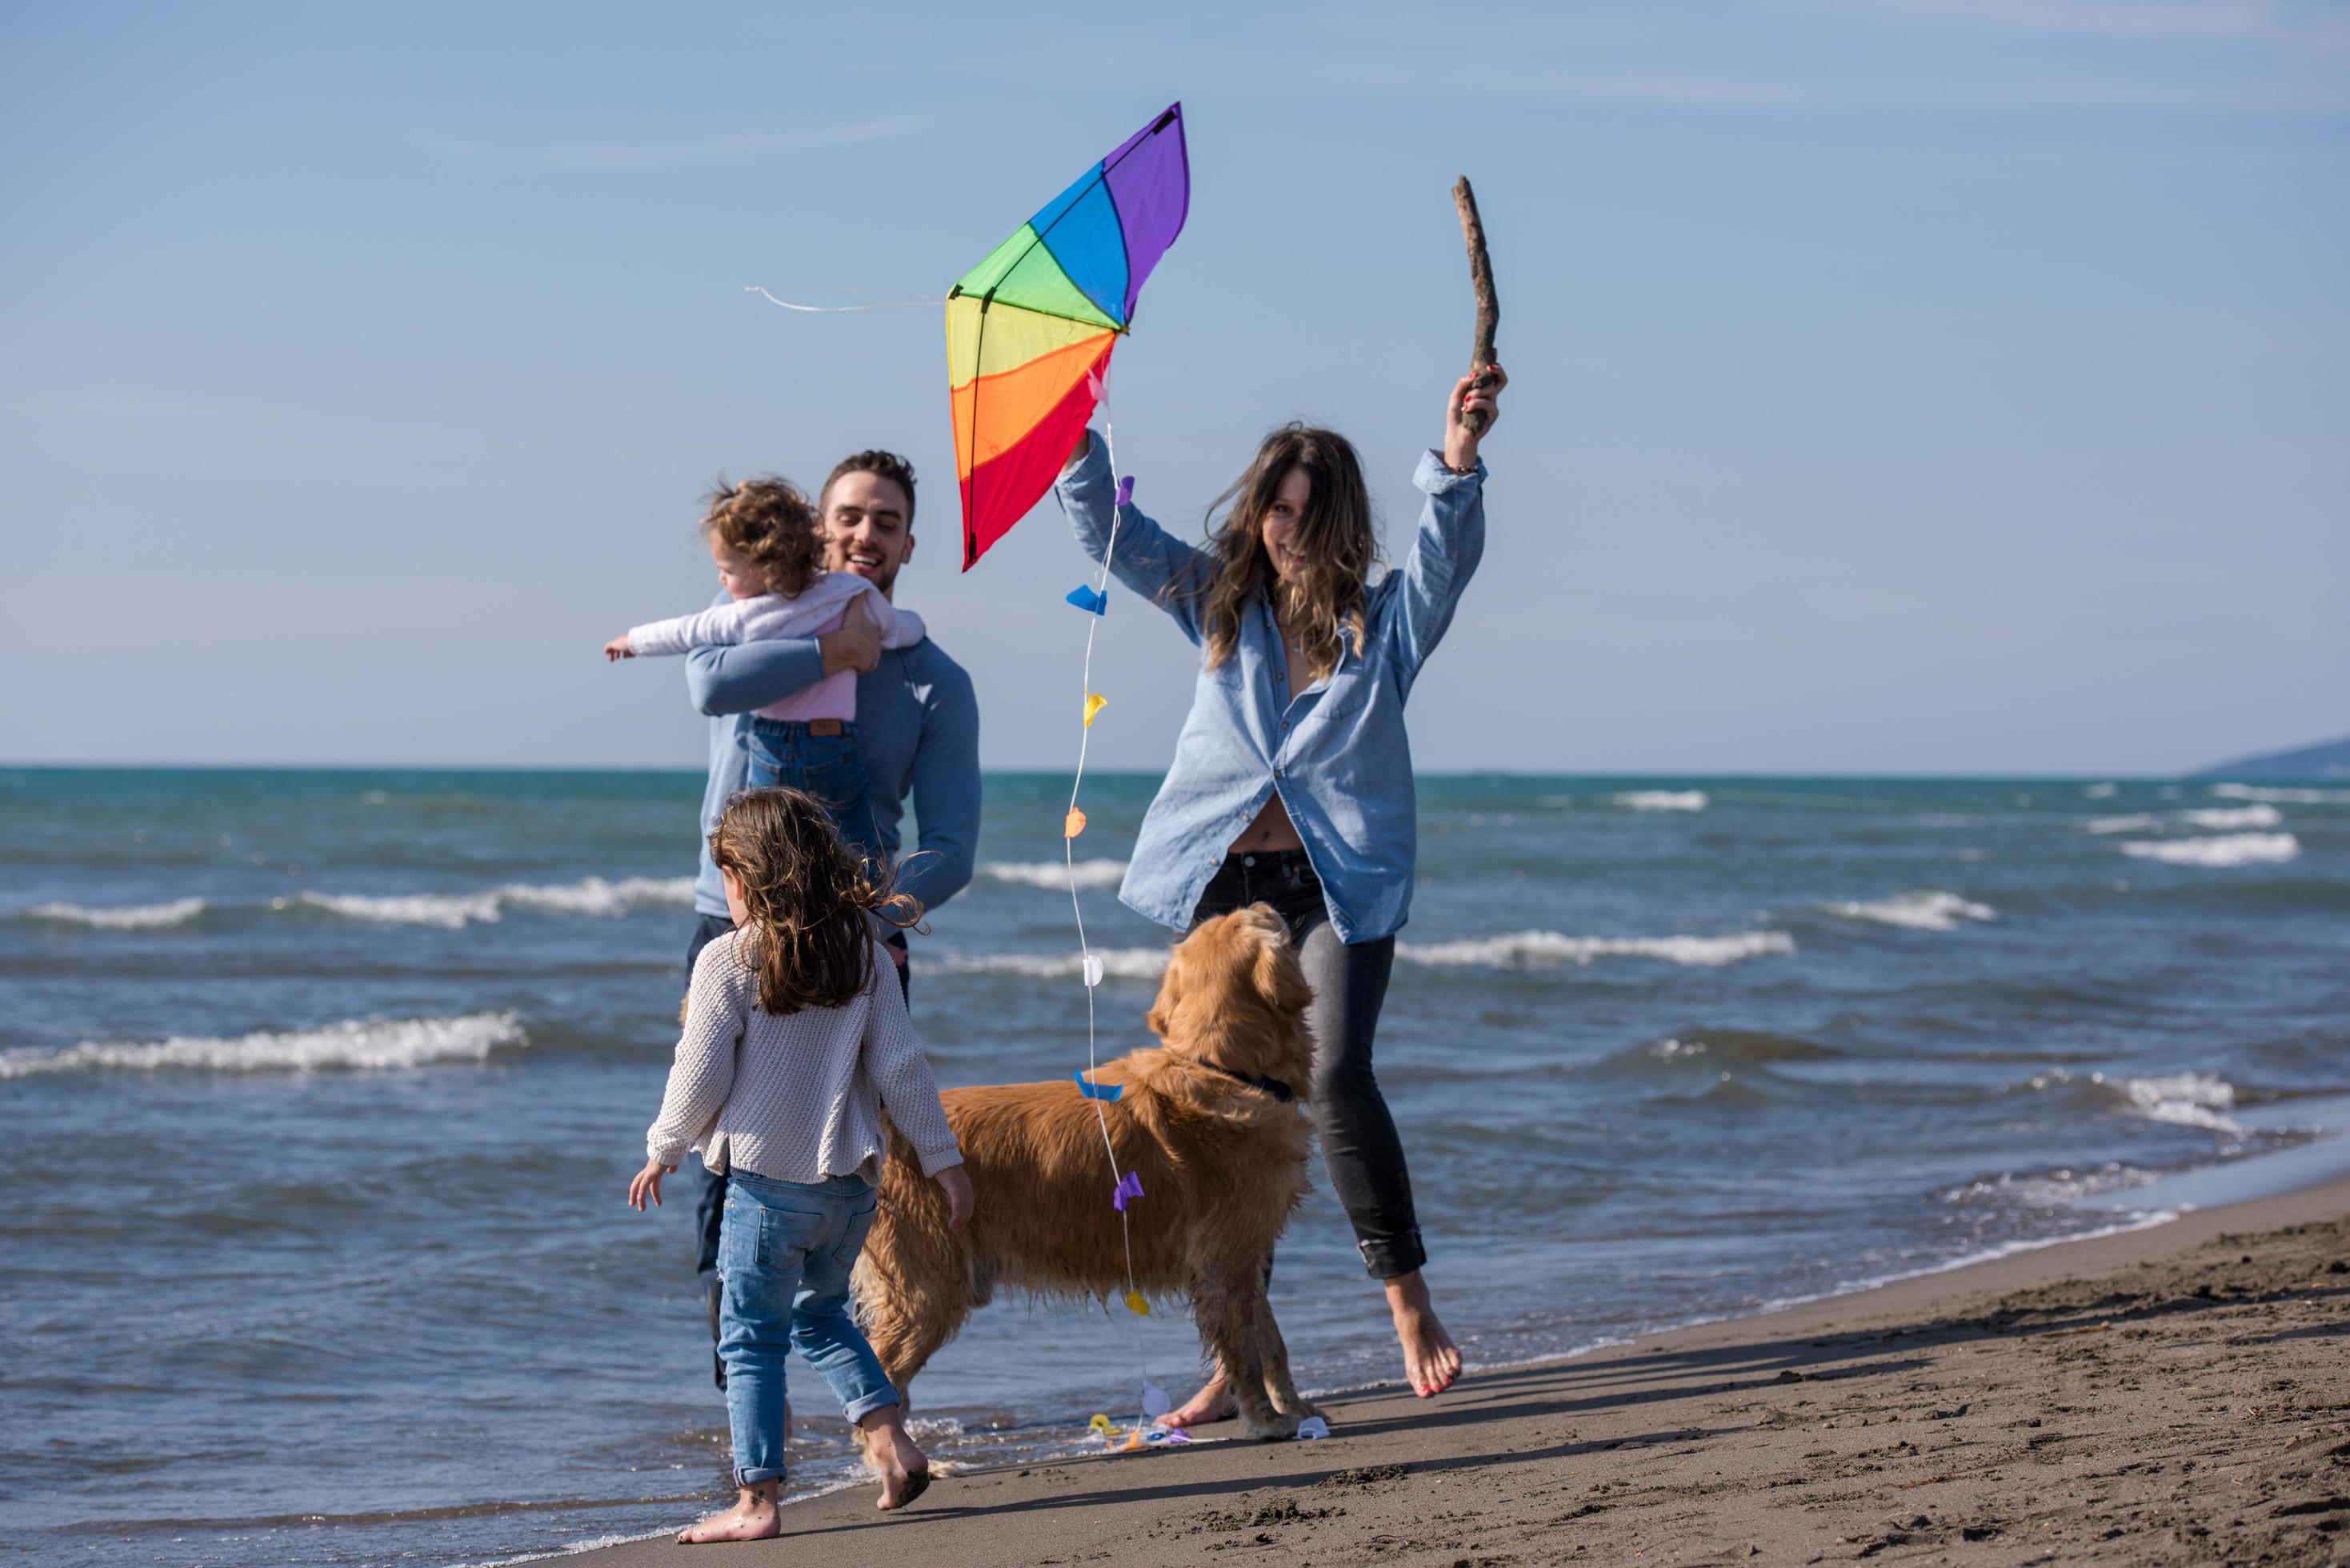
796 1098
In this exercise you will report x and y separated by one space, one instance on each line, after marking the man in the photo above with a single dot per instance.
917 725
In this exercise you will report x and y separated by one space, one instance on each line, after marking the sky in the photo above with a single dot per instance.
1908 386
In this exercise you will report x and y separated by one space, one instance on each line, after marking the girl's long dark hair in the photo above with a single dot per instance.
1328 601
811 904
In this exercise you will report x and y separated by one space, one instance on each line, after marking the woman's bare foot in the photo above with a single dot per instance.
1430 1360
905 1473
754 1517
1213 1402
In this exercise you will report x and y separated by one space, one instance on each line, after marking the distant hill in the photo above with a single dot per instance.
2328 760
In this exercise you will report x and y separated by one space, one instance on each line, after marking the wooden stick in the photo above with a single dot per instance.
1489 304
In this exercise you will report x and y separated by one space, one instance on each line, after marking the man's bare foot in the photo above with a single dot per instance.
905 1473
1430 1360
754 1517
1213 1402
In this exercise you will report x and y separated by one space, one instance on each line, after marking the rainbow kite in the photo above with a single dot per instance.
1030 329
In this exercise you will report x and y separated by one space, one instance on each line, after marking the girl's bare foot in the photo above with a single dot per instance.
1430 1360
905 1473
1213 1402
754 1517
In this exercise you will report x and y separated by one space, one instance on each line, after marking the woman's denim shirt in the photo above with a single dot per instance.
1336 751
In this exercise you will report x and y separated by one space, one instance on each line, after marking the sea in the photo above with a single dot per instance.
322 1091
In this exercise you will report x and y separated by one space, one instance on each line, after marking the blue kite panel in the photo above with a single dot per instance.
1082 231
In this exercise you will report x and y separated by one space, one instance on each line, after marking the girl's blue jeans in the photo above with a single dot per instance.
784 1252
822 757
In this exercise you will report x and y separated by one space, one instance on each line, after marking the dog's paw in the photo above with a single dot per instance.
1276 1427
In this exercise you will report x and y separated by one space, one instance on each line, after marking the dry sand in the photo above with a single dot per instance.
2173 1396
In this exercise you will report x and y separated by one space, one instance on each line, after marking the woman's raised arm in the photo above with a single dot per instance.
1148 559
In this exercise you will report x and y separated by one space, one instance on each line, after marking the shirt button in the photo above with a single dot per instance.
1276 773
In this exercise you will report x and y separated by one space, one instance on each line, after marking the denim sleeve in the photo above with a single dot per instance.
1444 555
1148 559
946 794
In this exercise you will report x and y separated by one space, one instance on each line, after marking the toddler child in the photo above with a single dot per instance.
795 1041
763 538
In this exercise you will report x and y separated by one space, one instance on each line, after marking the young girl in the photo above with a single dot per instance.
1292 781
763 537
795 1041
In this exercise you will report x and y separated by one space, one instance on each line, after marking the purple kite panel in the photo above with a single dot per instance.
1150 178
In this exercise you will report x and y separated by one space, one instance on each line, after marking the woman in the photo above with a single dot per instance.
1291 781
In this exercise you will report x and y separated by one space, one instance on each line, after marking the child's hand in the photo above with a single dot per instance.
955 1182
619 648
648 1185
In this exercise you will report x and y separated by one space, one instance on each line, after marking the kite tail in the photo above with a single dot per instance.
1069 852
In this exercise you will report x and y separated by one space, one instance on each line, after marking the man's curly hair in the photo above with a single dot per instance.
766 519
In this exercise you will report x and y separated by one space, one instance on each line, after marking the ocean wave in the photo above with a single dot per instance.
1055 874
2136 822
132 918
1542 949
2232 816
2282 796
1661 799
593 895
2057 1189
2229 849
1719 1051
2102 791
1921 910
1118 964
362 1042
2182 1099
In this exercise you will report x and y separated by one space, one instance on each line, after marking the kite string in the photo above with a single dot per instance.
834 309
1069 854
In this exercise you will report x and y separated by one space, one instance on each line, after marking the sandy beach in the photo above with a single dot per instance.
2173 1395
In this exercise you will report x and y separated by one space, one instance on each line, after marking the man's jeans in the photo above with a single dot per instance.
784 1258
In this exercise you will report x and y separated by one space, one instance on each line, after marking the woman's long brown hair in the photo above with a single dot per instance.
1325 602
812 906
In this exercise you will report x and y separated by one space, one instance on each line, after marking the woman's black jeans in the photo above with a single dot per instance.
1359 1146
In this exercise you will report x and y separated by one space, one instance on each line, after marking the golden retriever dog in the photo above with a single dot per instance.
1208 1119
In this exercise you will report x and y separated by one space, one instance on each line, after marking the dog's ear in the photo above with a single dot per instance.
1280 978
1161 1016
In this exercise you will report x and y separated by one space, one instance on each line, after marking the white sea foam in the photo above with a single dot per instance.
1539 950
1662 799
596 896
2102 791
1919 909
2184 1099
2229 849
448 910
376 1043
1055 874
2136 822
2282 796
1118 964
133 918
593 895
2233 817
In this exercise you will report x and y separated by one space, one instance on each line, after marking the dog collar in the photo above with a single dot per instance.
1274 1086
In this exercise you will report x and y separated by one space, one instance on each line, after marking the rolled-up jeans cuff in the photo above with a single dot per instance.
753 1476
1389 1259
882 1399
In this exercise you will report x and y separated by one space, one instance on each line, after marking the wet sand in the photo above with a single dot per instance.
2171 1395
